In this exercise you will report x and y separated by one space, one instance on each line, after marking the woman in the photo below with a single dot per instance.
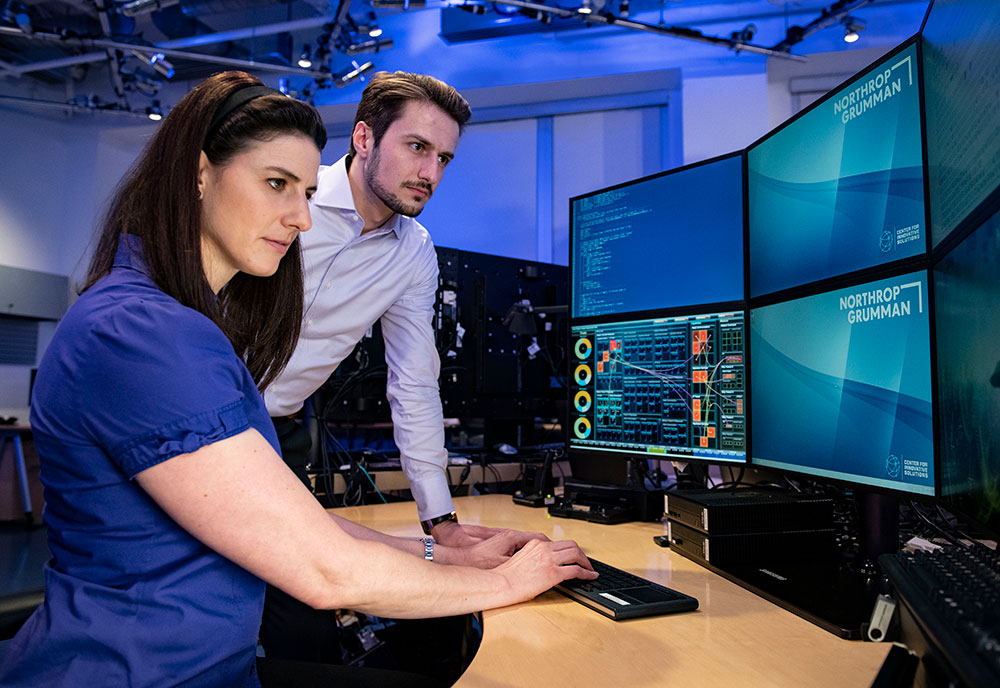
167 503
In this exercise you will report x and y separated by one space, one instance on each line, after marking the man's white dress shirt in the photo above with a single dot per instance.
352 281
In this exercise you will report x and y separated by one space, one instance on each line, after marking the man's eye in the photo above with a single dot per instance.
276 183
443 159
417 146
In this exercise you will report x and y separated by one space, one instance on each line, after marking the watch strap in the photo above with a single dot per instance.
431 522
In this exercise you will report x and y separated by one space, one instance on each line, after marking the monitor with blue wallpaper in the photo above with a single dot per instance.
840 187
841 385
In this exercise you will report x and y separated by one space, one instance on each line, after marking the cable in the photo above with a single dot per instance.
374 487
936 528
953 524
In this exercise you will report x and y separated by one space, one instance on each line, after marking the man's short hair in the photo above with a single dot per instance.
388 93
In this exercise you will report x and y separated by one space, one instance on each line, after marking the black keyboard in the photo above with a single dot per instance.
622 595
953 596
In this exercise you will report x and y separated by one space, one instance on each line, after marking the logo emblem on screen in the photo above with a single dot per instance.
582 401
892 466
581 428
583 348
582 375
885 241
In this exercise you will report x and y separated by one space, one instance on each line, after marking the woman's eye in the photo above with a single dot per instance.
277 183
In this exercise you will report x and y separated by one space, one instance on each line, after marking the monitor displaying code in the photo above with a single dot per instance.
841 385
840 188
662 388
671 240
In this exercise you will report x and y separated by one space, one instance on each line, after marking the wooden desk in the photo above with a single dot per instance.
735 639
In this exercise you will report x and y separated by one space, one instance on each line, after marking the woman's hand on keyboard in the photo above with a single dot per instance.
540 565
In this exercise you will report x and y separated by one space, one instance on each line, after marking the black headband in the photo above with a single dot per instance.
235 100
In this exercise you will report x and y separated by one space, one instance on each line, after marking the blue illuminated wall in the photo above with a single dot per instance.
841 385
841 187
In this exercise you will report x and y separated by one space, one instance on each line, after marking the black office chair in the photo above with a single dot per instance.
15 610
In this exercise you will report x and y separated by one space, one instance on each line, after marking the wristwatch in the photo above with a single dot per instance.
431 522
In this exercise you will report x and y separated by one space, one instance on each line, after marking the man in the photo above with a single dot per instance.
366 259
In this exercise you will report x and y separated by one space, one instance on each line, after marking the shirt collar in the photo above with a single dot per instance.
130 254
334 191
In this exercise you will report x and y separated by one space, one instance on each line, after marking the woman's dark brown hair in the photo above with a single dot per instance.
157 201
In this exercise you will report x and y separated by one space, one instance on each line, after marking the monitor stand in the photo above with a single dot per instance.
835 593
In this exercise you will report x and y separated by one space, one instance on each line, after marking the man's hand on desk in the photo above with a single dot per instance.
492 551
454 534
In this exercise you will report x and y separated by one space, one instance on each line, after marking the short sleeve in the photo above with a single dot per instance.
159 380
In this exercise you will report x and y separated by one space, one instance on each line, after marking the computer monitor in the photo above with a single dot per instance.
671 387
840 187
961 62
841 385
673 239
966 298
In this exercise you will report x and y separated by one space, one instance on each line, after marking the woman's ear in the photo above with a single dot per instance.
203 169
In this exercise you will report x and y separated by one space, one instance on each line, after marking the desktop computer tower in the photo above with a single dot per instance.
725 528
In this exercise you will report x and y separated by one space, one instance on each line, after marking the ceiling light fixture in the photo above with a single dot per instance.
305 59
373 29
154 112
23 22
373 46
356 72
157 61
591 6
134 9
852 29
472 8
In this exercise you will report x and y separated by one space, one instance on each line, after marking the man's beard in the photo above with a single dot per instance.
391 200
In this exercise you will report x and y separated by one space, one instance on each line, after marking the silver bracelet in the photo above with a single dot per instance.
428 548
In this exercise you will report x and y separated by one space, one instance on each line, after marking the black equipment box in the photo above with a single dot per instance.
750 548
607 503
718 512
